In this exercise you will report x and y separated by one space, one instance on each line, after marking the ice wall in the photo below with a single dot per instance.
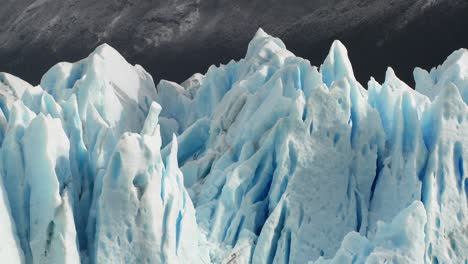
264 160
83 180
296 157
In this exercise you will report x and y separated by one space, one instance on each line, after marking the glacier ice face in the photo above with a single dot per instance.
65 152
10 249
11 89
264 160
298 156
50 226
151 218
397 181
453 70
445 186
400 241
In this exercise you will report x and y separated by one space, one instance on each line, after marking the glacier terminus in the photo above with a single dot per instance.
263 160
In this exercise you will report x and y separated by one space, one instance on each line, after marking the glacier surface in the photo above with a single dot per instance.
264 160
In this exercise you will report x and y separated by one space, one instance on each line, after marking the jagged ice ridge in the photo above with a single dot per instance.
264 160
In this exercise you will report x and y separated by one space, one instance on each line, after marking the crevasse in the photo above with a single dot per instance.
264 160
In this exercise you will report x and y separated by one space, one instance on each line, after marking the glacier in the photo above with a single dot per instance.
263 160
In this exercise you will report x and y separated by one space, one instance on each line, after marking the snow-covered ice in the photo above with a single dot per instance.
264 160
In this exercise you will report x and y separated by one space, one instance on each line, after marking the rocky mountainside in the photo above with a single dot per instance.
173 39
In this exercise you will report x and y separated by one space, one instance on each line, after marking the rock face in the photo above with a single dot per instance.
264 160
198 33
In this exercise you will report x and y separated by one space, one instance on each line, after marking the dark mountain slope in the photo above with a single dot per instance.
174 39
